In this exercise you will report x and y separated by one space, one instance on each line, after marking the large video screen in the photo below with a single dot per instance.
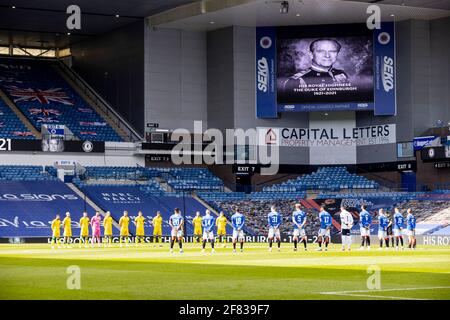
325 68
319 66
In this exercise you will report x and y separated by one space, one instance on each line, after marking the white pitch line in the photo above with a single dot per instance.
383 290
357 293
374 296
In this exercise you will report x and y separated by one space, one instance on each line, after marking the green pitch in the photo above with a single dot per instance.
38 272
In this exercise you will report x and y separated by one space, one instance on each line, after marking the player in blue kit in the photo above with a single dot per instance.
238 222
399 224
411 229
325 228
208 223
383 223
274 220
365 220
299 220
176 223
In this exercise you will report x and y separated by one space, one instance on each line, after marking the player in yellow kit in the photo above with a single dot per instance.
84 229
67 230
107 226
124 222
197 223
157 228
221 224
56 232
140 232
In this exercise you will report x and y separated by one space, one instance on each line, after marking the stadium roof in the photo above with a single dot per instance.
431 4
301 12
42 23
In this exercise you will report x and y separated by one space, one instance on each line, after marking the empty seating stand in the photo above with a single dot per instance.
325 178
25 173
11 126
180 179
193 179
44 97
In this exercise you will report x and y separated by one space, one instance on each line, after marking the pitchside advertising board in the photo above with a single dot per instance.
27 208
325 68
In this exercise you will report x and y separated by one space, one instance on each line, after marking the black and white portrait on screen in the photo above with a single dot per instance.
325 69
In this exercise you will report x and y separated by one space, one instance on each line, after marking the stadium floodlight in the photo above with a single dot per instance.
284 7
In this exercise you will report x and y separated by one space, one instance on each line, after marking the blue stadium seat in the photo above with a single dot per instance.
11 126
44 97
325 178
25 173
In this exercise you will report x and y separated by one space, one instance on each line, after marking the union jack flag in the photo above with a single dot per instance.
89 133
22 133
45 119
42 96
45 112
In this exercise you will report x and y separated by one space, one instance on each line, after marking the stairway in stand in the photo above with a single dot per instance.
92 104
20 115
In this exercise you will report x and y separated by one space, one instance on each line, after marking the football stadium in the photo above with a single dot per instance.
225 150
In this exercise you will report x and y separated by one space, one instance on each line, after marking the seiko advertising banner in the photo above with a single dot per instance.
325 68
385 64
266 95
320 137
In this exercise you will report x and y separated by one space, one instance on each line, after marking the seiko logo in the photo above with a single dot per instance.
263 74
384 38
36 197
388 74
265 42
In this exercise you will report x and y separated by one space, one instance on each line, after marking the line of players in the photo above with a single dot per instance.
388 228
176 223
274 219
386 225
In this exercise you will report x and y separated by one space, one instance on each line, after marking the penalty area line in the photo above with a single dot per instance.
372 296
360 293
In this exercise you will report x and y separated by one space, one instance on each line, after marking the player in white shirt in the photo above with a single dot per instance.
274 220
208 223
176 222
346 227
238 222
